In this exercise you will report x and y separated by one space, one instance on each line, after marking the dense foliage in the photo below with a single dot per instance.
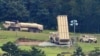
87 12
78 52
12 50
95 52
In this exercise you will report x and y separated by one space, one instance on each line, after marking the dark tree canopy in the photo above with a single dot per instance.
87 12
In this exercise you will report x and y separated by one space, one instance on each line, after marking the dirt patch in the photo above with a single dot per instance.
28 42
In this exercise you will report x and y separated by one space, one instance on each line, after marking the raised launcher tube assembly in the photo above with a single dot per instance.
62 35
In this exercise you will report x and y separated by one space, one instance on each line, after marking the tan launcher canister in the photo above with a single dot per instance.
63 30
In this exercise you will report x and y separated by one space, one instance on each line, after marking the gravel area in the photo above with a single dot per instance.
50 44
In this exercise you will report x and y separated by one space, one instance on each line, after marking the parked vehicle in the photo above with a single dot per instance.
88 38
20 26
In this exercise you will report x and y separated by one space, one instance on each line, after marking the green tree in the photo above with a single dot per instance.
13 10
11 49
37 52
78 52
46 11
85 11
95 52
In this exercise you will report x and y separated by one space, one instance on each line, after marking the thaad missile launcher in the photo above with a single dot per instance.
62 35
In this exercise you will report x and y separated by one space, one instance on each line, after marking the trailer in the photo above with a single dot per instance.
62 35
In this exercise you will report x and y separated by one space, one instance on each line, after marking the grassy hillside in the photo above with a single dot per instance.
6 36
1 26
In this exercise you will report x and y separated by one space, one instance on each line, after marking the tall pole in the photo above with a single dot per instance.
74 28
74 24
16 33
74 35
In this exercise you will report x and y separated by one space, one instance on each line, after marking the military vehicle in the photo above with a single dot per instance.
62 35
88 39
21 26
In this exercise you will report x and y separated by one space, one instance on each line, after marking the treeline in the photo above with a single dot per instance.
87 12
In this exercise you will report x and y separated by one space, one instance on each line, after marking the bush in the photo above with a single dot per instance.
95 52
13 50
78 52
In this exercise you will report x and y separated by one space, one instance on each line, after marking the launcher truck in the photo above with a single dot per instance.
21 26
62 35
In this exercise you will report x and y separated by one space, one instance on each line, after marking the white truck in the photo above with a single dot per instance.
21 26
62 35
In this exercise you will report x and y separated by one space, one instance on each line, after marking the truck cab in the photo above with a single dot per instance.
54 38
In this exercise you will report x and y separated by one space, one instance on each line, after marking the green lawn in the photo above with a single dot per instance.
50 51
6 36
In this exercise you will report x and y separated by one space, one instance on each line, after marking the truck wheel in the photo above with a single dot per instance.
81 40
10 29
85 41
30 30
57 43
51 40
95 41
39 31
17 29
90 41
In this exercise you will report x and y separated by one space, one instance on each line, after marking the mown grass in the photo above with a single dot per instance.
50 51
6 36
